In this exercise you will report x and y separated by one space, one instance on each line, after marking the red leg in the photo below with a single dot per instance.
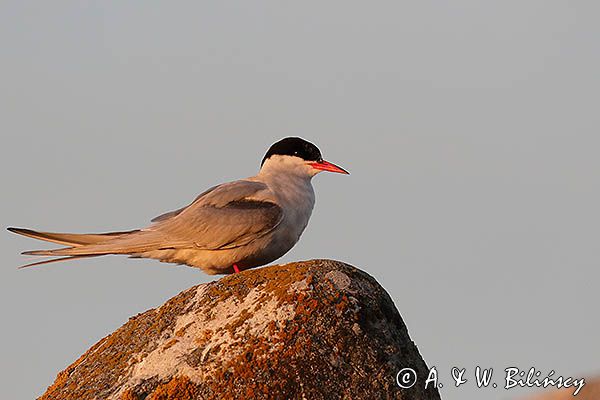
236 270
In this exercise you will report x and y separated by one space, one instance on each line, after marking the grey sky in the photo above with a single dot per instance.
471 130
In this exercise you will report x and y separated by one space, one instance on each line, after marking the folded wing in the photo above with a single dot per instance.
230 215
225 217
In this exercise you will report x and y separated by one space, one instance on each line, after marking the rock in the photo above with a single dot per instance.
310 330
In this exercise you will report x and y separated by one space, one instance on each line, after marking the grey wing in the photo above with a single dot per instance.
225 217
174 213
228 216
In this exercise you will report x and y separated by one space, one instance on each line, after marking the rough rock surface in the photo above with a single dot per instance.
310 330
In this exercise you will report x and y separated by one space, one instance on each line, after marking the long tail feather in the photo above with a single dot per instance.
91 245
69 239
48 253
54 260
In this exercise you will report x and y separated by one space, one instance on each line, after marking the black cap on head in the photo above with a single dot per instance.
294 146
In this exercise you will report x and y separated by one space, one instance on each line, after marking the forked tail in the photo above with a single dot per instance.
81 245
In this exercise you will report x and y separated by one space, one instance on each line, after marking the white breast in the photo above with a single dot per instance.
294 193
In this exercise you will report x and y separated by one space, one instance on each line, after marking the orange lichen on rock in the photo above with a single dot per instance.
181 332
93 374
129 395
239 321
178 388
170 343
315 329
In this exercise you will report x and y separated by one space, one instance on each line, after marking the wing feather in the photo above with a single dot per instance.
171 214
227 216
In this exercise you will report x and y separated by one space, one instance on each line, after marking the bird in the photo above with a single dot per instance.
228 228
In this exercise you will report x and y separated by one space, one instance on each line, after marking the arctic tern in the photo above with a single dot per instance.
228 228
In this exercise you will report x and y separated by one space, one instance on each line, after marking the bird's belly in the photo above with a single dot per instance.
260 251
272 249
271 246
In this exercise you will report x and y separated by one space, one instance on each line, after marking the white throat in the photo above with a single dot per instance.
290 179
287 165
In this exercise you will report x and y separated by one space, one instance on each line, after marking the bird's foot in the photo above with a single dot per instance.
236 270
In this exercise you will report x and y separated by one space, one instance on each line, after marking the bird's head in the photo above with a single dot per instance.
296 155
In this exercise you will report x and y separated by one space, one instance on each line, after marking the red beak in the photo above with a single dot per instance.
327 166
